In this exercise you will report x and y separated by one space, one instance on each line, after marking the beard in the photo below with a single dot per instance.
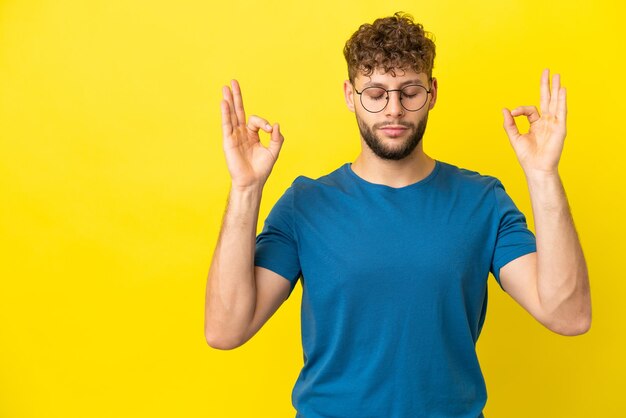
378 147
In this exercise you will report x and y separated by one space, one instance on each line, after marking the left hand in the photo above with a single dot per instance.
539 150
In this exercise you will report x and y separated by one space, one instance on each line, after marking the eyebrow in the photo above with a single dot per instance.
406 83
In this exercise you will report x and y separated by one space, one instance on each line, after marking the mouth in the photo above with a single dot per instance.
393 130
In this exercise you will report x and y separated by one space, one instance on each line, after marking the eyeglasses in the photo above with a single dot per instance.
412 97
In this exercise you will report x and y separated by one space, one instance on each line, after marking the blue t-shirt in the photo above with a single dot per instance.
394 288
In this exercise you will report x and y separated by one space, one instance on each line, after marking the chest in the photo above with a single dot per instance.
427 246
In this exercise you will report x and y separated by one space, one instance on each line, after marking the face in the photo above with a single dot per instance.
394 132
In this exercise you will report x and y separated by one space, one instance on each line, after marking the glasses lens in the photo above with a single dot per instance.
374 99
414 97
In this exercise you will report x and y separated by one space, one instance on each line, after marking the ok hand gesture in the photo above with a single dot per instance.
539 150
248 161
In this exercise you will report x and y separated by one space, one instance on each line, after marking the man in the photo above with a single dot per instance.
394 250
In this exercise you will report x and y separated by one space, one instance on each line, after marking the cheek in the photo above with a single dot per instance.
365 119
421 115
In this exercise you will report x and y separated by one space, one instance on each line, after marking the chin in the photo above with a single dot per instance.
380 145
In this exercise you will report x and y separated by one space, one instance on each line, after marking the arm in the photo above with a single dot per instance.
551 284
239 296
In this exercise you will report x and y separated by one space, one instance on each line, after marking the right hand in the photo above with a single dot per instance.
249 162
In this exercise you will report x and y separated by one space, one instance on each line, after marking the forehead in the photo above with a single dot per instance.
391 78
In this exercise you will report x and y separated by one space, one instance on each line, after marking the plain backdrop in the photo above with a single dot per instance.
113 185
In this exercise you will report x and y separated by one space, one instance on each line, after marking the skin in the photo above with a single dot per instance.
241 297
551 284
374 136
368 165
378 146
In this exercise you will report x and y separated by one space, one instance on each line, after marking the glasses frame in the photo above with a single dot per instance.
387 91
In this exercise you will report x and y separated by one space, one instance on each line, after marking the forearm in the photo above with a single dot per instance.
562 280
231 287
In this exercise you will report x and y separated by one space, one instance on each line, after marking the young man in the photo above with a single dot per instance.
394 250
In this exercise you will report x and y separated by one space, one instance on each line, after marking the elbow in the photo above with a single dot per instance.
573 326
221 334
222 340
572 330
222 343
582 326
573 316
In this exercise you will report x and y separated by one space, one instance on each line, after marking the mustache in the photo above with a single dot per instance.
401 123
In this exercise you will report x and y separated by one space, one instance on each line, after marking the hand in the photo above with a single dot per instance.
249 162
539 150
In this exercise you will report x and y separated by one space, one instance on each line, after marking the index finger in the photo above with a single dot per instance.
554 96
228 97
545 91
241 114
227 125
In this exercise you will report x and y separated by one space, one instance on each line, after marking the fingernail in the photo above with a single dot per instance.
267 126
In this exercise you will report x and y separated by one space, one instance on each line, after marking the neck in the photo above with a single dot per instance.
401 173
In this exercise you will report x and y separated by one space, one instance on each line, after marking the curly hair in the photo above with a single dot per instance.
390 43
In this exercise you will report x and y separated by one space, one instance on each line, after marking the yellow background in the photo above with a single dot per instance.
113 185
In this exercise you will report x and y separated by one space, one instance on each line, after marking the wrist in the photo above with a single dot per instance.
247 191
243 201
542 176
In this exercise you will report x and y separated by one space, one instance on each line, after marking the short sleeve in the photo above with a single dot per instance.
276 245
514 239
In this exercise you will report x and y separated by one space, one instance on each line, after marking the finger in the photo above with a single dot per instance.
228 96
545 91
530 112
510 126
276 141
256 123
554 96
562 109
238 100
227 126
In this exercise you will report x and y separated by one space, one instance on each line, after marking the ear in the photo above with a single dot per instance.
348 92
433 93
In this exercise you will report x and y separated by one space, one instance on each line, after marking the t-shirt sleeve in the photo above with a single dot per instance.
514 239
276 245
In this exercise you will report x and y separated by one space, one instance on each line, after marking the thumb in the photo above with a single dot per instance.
276 140
510 127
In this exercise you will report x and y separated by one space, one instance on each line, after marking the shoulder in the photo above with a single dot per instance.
310 195
306 191
467 179
305 186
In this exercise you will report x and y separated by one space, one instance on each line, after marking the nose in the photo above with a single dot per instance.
394 106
